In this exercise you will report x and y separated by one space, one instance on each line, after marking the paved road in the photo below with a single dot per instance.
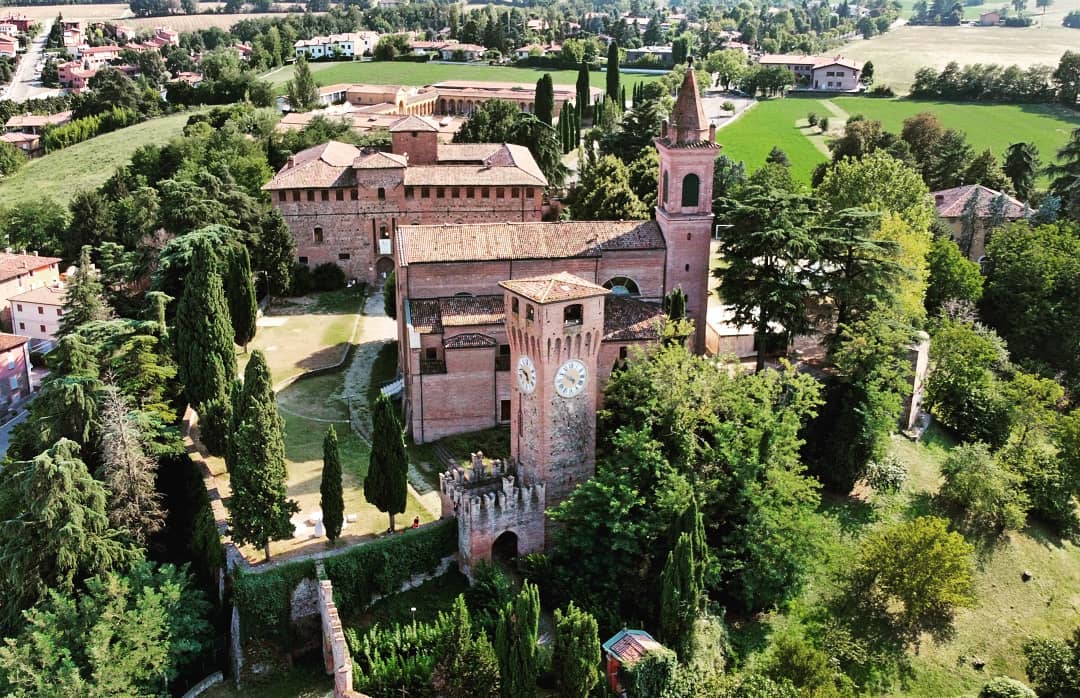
25 84
5 431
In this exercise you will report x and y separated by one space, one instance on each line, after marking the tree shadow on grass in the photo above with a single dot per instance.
326 357
852 514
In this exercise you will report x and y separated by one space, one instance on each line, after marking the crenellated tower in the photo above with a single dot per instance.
687 148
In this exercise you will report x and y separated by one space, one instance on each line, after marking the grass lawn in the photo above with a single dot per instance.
88 164
994 126
429 599
308 680
780 123
898 53
403 73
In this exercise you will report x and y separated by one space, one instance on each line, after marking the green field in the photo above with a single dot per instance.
774 123
88 164
782 123
401 73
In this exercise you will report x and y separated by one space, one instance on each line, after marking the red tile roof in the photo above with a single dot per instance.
951 203
433 315
414 123
37 120
418 244
552 288
629 320
14 265
45 295
628 646
10 341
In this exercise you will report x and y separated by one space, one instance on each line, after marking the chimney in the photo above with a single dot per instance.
939 199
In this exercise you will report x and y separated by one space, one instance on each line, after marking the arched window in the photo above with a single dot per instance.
622 286
690 186
572 314
317 235
663 194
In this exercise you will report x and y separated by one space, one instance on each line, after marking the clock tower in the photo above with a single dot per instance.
554 325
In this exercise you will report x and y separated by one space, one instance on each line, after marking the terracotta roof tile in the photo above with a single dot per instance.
469 340
628 646
10 341
470 175
46 295
380 161
424 315
13 265
434 315
951 203
552 288
37 120
326 165
628 319
414 123
418 244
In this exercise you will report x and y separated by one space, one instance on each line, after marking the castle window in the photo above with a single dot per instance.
408 192
504 411
690 186
425 193
354 194
663 193
530 314
317 236
339 194
344 257
687 267
500 193
470 193
622 286
485 193
310 195
455 193
502 359
302 260
440 192
513 306
296 195
282 195
382 194
572 314
431 354
515 193
623 352
324 195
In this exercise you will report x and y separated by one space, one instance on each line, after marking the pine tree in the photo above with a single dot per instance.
302 91
386 484
583 98
544 105
204 345
613 91
515 643
331 500
259 508
692 523
54 530
84 300
465 662
1021 167
680 596
575 660
127 471
240 290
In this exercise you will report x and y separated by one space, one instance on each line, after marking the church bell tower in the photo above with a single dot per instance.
687 148
554 325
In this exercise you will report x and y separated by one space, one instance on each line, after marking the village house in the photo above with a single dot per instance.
990 19
662 55
36 313
8 29
22 22
973 210
462 52
349 45
36 123
822 73
537 50
23 272
96 57
9 47
463 96
29 143
15 381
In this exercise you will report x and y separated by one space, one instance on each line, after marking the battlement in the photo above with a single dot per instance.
489 501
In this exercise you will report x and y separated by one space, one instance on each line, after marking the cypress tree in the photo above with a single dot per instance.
515 644
259 508
680 596
613 91
241 294
692 523
674 304
622 98
331 500
84 300
544 105
575 660
386 484
583 99
204 346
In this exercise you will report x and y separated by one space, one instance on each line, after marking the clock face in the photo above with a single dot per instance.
526 374
570 378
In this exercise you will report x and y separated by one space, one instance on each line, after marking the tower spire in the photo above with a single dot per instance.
688 117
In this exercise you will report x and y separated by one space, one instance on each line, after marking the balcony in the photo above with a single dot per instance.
432 366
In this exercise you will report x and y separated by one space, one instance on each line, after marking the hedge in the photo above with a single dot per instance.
383 566
264 599
87 127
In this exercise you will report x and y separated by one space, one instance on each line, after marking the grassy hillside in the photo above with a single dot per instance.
394 73
88 164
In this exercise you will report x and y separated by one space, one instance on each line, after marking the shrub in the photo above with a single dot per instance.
301 280
812 119
985 490
1004 687
328 277
264 600
887 474
823 124
728 105
1054 666
489 593
386 660
881 91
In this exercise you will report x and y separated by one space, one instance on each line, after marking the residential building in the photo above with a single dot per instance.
821 73
343 203
8 29
348 45
9 47
95 57
537 49
15 382
36 313
29 143
973 211
466 52
990 19
36 123
661 54
23 272
474 297
22 22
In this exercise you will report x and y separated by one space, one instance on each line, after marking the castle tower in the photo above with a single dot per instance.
554 325
417 138
687 148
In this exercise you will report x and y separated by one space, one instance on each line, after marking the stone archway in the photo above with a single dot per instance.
383 267
505 547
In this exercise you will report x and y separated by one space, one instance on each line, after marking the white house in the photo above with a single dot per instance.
471 52
36 313
824 73
349 45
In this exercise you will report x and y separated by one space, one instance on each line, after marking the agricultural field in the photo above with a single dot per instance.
395 73
106 11
88 164
898 53
780 123
189 23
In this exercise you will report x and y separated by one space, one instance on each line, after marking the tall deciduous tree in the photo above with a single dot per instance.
515 644
302 91
952 276
128 471
260 507
386 484
331 500
84 300
54 529
1022 167
575 660
544 105
240 290
612 75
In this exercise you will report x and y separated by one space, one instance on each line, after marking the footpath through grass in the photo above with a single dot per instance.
86 165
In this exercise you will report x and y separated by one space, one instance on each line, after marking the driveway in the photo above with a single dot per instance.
25 83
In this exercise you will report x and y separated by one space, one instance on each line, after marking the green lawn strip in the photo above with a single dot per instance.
307 680
87 165
994 126
429 599
773 123
419 74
